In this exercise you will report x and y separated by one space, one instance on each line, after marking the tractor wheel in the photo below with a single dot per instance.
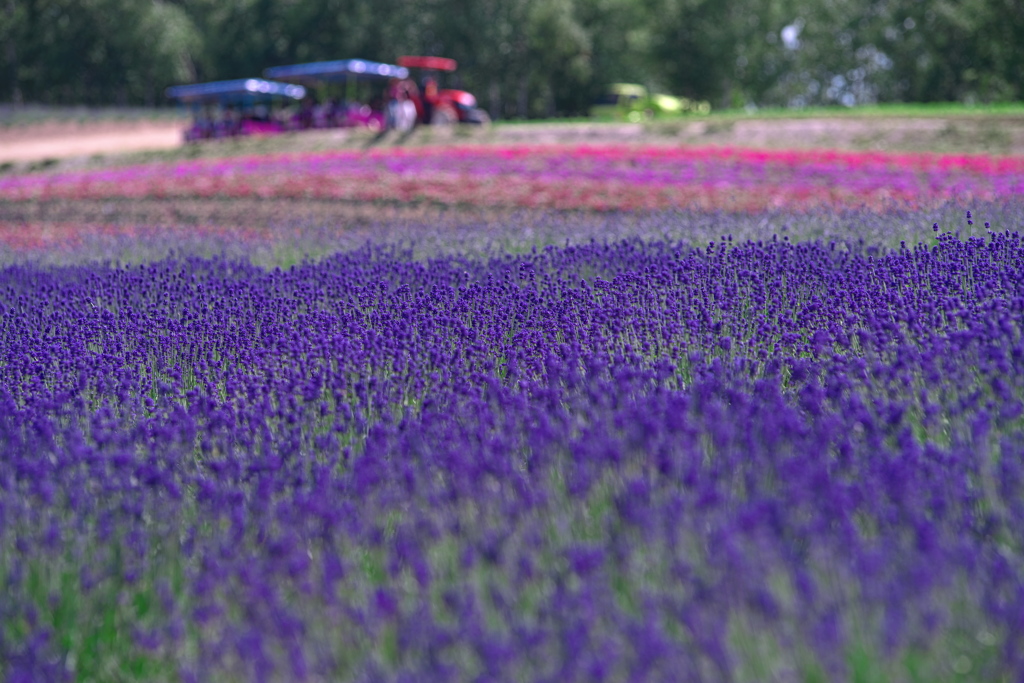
444 116
478 116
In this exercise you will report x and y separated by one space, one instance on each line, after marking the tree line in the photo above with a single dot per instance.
530 58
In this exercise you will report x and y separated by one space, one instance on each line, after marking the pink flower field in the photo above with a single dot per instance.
558 177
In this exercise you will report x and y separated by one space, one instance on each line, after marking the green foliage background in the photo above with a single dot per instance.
528 58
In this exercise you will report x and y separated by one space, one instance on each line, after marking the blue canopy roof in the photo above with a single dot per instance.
233 91
336 70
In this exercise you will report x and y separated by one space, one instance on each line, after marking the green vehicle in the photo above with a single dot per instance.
633 102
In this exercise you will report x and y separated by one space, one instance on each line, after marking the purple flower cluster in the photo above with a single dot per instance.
757 460
287 236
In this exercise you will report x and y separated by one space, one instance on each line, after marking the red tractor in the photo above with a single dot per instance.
438 106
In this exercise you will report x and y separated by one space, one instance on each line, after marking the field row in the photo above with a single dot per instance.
284 232
558 177
623 459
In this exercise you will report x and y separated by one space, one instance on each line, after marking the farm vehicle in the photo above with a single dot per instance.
635 103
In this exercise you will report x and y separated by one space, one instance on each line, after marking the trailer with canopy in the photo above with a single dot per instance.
244 106
352 91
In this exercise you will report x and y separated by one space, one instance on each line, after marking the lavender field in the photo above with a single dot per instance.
679 446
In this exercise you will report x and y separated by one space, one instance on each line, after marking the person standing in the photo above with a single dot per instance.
430 96
391 107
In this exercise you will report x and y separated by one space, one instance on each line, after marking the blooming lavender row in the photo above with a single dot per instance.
635 460
286 236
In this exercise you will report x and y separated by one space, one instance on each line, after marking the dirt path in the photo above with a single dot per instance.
33 143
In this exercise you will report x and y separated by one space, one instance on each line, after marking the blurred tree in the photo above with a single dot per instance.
969 50
560 49
96 51
856 51
694 44
173 46
530 57
12 35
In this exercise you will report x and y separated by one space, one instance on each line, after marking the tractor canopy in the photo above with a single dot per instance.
336 70
431 63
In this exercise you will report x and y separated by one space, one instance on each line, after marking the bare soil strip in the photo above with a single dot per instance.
984 134
988 135
65 140
237 212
